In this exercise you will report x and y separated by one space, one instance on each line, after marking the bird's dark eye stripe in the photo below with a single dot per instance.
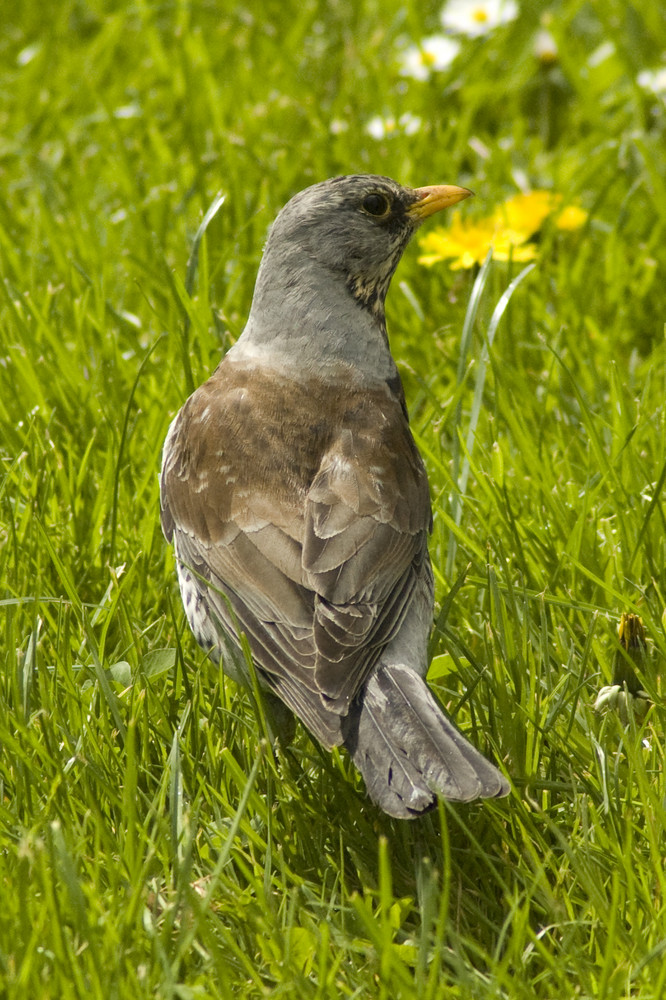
376 204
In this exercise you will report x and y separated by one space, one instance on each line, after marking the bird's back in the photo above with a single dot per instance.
303 525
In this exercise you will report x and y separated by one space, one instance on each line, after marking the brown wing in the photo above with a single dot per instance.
313 529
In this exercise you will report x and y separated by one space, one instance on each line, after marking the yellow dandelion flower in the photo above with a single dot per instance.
507 231
510 245
570 218
526 213
467 243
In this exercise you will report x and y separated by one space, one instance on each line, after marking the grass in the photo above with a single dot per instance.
152 845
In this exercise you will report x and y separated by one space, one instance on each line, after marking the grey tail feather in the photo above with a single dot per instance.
407 750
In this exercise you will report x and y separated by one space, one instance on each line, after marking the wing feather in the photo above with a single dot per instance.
309 538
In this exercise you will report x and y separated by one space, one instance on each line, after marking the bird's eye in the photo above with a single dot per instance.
376 204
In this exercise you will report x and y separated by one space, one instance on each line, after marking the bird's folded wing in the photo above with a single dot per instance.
318 576
364 547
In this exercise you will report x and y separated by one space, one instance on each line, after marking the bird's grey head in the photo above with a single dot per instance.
327 265
355 228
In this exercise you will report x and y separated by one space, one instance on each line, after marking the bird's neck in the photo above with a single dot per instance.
307 316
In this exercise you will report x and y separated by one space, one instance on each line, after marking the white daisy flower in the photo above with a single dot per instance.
432 54
477 17
337 126
545 47
653 80
384 128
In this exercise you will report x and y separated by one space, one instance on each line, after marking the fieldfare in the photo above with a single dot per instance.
298 503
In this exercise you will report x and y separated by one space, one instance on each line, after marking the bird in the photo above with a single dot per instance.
298 503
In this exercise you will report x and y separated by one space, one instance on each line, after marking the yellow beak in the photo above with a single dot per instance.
435 198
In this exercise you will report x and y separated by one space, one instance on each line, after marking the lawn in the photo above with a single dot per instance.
152 842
